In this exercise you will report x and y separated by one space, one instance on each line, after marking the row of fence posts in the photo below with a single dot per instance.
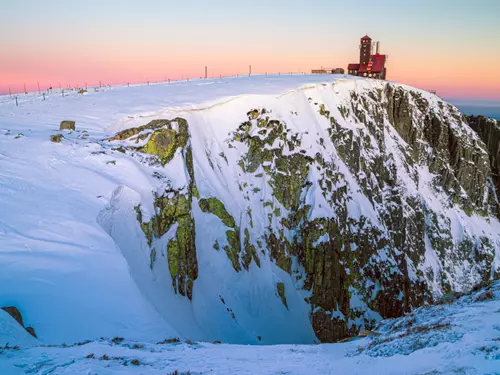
101 83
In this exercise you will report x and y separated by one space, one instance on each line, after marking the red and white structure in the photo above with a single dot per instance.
370 65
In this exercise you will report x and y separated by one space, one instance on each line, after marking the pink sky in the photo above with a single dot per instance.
445 46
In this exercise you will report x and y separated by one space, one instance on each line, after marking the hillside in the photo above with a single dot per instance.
259 210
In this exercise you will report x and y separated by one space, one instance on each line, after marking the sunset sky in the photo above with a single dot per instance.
452 46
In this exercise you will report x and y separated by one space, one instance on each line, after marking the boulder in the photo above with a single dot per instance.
56 138
66 124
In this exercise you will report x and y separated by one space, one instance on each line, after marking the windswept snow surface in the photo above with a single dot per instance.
461 338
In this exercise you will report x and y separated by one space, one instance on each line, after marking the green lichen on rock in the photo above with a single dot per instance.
152 258
250 252
67 125
56 138
281 292
163 143
172 207
234 248
280 251
249 213
217 208
182 258
240 258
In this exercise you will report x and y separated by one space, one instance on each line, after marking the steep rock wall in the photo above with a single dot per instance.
489 132
353 201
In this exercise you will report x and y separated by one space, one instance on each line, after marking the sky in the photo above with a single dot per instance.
451 46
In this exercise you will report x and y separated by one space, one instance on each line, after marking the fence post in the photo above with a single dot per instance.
16 101
43 96
62 93
10 93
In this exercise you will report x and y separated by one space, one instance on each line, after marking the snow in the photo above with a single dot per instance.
460 338
74 258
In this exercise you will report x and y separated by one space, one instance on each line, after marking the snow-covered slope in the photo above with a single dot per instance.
459 338
256 210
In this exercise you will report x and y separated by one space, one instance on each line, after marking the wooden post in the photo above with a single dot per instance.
169 80
25 92
10 93
62 93
16 101
206 72
250 70
43 96
38 83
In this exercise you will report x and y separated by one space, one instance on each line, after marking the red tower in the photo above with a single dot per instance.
369 66
365 49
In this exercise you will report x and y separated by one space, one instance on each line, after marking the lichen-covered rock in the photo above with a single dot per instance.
67 125
366 210
216 207
56 138
281 293
172 206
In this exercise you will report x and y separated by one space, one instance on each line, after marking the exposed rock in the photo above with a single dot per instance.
67 125
16 314
484 296
173 206
31 331
355 268
281 293
56 138
488 130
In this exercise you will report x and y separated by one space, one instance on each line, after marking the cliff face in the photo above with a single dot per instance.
325 209
489 131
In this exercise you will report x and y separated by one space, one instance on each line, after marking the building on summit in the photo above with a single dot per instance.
371 65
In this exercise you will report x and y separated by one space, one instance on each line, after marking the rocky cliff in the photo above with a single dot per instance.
488 130
322 210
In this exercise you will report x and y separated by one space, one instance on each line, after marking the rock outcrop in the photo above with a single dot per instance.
16 314
67 125
366 210
489 132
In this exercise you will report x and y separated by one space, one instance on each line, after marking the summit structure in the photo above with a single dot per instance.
370 65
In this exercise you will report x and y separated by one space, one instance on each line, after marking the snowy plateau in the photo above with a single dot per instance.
252 225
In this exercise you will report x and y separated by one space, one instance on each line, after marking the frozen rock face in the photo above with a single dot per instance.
354 201
488 130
